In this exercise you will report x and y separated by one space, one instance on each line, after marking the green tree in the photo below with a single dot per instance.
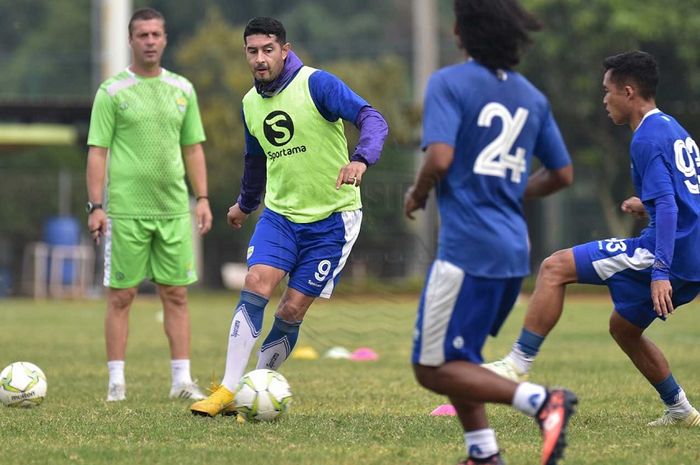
566 63
45 48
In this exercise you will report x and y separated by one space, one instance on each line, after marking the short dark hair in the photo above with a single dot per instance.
144 14
267 26
637 67
494 32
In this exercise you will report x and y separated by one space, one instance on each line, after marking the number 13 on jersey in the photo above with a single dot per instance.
495 159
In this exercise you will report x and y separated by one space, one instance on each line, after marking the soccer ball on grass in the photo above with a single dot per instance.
262 395
22 384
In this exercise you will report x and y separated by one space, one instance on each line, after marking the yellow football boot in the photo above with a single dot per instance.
219 402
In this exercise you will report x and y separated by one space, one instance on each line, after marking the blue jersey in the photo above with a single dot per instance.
666 161
495 123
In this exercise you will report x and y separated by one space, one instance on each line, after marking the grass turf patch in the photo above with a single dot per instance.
343 412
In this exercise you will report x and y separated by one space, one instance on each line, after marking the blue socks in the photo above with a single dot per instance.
668 390
529 343
524 350
278 344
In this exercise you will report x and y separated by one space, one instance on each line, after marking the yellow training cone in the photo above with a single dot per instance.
305 353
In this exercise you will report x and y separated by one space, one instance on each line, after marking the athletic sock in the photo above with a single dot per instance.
278 344
673 396
245 330
681 407
529 398
116 371
180 370
481 443
668 390
525 350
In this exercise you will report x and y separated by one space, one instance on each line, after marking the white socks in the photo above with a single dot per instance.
241 340
681 408
180 370
481 443
529 398
520 359
116 372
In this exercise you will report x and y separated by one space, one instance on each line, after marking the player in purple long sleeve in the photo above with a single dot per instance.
648 276
296 151
334 100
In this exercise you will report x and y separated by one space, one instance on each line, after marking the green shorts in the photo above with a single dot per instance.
157 249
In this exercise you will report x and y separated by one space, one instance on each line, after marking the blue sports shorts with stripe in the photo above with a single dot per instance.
457 312
624 266
313 254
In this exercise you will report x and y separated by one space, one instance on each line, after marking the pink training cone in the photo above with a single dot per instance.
364 354
444 410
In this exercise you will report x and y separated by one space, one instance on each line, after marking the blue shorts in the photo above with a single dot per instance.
457 312
624 266
313 254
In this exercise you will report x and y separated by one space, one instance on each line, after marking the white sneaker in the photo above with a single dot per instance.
116 392
506 368
187 391
692 419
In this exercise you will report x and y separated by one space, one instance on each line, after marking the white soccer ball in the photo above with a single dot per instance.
262 395
22 384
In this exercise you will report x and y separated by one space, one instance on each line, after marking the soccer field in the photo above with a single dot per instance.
343 412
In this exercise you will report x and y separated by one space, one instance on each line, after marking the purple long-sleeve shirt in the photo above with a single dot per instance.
334 100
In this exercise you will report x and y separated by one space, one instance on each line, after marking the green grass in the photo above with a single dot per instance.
343 412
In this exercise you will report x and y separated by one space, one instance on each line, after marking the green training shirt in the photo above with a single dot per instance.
304 153
144 122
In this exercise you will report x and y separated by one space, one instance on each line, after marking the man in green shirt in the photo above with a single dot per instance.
148 120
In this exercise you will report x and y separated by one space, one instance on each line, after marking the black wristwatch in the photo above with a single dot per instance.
91 207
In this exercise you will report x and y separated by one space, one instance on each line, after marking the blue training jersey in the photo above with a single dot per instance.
666 161
495 123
